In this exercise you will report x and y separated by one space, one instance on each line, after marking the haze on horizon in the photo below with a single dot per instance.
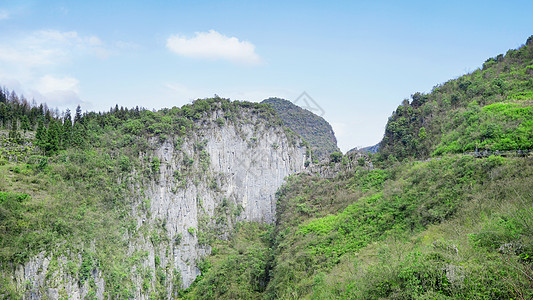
357 60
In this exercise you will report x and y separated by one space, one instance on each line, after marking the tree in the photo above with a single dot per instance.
66 130
3 115
77 117
335 157
529 40
41 134
25 123
422 134
78 132
14 134
52 139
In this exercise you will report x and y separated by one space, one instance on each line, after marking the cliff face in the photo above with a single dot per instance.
205 183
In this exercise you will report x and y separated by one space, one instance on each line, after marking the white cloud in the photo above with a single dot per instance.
46 47
49 84
28 61
63 99
213 45
61 92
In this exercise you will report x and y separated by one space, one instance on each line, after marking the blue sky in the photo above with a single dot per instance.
358 60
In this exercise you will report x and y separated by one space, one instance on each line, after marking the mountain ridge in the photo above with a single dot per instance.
217 199
487 109
313 128
132 211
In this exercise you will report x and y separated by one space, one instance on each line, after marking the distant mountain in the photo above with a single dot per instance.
368 149
314 129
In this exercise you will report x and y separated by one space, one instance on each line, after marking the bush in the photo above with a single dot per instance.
335 157
155 164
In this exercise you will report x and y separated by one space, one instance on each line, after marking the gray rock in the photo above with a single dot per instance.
240 165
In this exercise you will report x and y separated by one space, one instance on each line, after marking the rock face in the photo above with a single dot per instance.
206 182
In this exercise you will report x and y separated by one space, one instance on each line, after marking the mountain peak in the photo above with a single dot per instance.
314 129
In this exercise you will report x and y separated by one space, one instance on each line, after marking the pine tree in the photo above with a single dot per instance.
14 134
77 117
78 132
41 134
25 123
52 139
3 115
66 130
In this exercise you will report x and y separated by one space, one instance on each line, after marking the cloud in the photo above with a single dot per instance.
49 83
28 60
46 47
213 45
61 92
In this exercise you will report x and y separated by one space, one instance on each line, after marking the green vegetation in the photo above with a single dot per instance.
237 269
448 227
457 227
66 186
64 214
314 129
421 219
498 126
489 108
335 156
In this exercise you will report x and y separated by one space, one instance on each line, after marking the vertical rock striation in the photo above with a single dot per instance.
206 182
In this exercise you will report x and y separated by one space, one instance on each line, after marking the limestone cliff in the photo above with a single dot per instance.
206 182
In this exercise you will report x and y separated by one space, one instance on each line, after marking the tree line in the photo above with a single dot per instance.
54 131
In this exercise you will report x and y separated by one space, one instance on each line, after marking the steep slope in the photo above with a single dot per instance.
132 211
454 228
458 227
405 226
489 109
172 189
314 129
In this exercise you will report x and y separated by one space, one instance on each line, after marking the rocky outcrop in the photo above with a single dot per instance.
204 183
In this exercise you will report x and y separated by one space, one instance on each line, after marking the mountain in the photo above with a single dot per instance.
314 129
425 218
216 200
369 149
488 109
130 210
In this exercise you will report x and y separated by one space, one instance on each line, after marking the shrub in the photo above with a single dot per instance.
335 157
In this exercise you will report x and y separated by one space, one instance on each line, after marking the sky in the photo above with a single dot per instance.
355 60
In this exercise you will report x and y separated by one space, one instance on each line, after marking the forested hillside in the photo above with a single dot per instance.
76 211
488 109
454 226
314 129
424 218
